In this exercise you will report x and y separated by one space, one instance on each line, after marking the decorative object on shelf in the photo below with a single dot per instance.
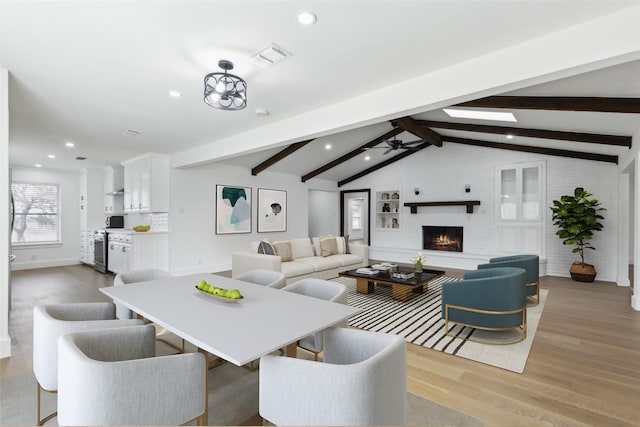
233 209
395 196
225 91
384 196
386 208
577 217
418 260
272 210
394 223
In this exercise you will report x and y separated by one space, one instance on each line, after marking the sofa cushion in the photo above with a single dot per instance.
265 247
302 248
328 246
296 268
283 250
347 259
343 244
321 263
315 241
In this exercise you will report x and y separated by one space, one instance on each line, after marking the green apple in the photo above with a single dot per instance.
209 288
202 284
218 291
235 294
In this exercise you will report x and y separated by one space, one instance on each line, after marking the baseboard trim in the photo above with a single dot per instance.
635 302
44 264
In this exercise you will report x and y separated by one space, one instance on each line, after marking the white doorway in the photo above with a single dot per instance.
355 213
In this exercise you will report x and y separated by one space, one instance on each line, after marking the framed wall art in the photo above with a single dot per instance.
272 210
233 209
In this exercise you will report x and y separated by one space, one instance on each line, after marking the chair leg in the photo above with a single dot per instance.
41 421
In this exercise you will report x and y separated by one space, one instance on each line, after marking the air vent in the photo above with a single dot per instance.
131 132
269 56
81 158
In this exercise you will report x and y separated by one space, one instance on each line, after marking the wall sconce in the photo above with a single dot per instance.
467 188
416 190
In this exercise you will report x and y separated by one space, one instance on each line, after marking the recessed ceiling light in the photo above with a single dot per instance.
367 158
262 112
480 114
38 165
130 132
69 144
51 156
306 18
327 146
509 136
174 94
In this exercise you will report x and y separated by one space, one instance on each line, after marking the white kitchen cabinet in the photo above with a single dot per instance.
137 251
87 249
146 184
113 188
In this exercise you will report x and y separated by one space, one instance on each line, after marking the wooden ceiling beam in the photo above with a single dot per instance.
592 138
380 165
538 150
563 103
279 156
409 124
351 154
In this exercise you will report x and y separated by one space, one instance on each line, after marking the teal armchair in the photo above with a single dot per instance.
530 263
492 299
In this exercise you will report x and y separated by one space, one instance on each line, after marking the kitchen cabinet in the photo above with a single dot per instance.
90 204
146 184
113 188
128 251
87 249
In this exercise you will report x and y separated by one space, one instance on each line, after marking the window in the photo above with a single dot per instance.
356 216
36 210
520 213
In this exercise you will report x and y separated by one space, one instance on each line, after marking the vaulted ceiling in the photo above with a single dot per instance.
366 71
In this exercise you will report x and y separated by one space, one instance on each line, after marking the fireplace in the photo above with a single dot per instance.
442 238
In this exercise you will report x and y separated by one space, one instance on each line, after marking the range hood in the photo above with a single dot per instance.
115 193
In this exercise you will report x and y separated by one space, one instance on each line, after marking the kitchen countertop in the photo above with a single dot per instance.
130 231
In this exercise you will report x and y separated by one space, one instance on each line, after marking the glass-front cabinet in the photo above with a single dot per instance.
388 210
520 212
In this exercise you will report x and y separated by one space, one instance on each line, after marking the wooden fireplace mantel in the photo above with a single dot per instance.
468 203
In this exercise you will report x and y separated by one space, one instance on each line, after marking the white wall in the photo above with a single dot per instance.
324 212
194 246
68 252
5 339
441 174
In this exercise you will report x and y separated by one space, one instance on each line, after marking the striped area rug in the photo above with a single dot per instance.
419 322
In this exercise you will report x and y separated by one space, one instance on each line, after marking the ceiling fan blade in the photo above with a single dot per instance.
388 151
420 141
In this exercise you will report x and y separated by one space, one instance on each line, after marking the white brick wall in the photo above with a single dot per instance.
441 174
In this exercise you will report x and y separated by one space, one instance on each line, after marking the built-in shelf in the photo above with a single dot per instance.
388 210
468 203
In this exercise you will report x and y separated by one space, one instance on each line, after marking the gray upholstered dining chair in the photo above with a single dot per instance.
54 320
362 381
268 278
112 377
135 276
322 289
530 263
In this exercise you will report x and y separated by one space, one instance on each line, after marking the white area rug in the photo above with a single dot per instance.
419 322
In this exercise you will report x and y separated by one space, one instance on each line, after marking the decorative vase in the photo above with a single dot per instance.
418 266
582 272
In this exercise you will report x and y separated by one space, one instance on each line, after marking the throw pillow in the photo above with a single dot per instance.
328 246
283 250
343 244
265 247
302 248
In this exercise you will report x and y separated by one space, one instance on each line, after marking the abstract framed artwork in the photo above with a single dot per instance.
272 210
233 209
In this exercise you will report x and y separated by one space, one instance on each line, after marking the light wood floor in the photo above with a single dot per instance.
583 370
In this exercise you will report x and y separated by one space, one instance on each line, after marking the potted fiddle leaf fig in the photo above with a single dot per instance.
577 217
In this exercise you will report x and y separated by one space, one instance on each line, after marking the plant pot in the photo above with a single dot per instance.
582 272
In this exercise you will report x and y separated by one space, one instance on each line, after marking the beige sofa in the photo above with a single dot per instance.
307 260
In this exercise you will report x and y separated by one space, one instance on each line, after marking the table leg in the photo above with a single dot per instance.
292 350
401 293
203 420
364 286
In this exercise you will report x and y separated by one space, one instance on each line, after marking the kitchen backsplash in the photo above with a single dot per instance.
159 221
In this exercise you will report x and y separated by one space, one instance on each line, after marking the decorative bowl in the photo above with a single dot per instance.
218 297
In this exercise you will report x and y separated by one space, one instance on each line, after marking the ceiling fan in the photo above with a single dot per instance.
397 144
